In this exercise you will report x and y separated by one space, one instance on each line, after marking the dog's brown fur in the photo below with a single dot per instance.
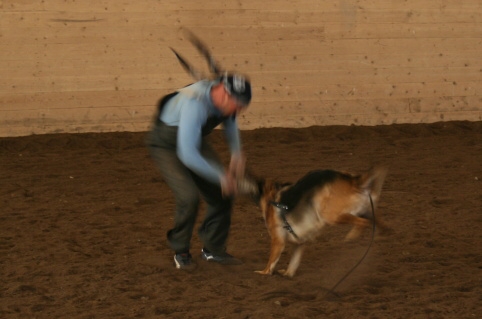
319 198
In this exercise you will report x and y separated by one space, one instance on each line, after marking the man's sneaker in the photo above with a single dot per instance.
223 258
184 261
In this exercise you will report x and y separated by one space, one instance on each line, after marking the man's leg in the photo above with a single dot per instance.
161 144
214 230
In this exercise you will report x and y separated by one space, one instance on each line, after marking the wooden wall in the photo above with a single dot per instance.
101 65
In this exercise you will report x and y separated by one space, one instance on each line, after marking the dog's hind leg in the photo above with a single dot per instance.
294 262
354 233
277 247
382 227
359 224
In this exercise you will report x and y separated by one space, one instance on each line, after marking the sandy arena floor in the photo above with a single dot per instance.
83 220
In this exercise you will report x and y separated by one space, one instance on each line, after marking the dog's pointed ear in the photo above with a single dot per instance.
372 181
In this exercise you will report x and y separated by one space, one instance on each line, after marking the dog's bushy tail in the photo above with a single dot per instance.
372 181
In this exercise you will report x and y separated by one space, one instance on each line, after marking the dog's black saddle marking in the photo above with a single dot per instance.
292 196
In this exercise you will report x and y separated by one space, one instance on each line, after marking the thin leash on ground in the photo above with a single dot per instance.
332 290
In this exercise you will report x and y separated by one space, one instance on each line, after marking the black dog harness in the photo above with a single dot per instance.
283 210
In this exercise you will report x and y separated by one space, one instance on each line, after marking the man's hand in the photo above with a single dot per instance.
237 165
236 169
228 185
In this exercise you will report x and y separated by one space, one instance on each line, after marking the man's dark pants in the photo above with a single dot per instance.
187 187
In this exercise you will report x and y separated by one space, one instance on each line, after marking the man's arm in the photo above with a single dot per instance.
238 160
189 141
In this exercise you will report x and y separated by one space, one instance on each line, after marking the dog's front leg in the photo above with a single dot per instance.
277 247
294 262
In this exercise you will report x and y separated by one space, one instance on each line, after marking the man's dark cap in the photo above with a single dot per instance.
238 86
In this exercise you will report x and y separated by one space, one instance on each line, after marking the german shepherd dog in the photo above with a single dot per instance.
297 212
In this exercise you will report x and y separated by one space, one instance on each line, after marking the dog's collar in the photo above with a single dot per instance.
279 205
283 210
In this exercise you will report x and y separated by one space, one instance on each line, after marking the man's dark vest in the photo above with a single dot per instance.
208 127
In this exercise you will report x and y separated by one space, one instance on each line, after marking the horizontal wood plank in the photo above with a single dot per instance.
139 119
171 5
78 66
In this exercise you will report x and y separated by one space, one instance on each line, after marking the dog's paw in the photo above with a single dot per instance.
353 234
285 273
263 272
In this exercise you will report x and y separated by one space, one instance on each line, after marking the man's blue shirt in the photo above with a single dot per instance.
190 110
